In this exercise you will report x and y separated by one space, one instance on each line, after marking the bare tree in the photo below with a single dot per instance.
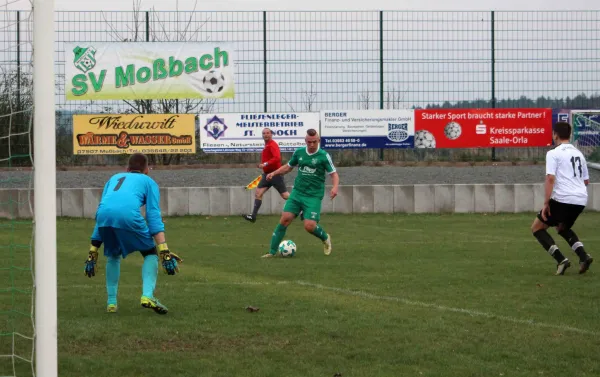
308 99
365 100
186 30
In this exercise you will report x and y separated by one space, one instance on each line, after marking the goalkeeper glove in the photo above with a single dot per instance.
91 262
168 260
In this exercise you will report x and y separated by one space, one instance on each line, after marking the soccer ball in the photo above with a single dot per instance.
452 130
287 248
424 139
213 82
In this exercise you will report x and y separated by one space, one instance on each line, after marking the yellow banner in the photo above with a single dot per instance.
95 134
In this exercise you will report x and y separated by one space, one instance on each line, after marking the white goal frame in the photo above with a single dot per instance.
44 154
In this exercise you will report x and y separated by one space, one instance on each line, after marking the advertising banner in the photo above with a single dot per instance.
586 127
148 70
367 129
483 128
96 134
242 132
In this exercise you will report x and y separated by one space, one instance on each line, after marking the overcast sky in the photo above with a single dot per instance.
429 57
321 5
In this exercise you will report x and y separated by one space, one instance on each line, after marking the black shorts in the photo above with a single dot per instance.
276 182
562 213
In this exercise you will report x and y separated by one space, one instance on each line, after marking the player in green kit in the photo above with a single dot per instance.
309 188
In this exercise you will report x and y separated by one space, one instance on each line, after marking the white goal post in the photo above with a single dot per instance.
44 154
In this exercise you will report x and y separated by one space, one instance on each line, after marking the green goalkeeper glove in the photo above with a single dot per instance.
168 260
91 262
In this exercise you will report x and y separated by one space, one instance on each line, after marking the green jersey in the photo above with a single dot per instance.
312 169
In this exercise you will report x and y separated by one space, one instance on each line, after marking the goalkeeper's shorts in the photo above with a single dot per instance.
122 242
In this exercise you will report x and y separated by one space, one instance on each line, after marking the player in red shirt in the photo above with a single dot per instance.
270 161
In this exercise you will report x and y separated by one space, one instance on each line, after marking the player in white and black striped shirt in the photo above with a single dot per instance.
564 200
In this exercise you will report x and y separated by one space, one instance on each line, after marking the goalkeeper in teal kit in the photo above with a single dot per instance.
122 229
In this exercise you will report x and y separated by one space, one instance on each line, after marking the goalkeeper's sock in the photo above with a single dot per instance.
257 204
575 244
149 275
277 237
113 272
548 244
320 233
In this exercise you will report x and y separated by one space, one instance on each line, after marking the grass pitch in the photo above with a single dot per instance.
401 295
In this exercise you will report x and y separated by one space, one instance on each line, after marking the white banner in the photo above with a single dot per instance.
342 129
242 132
148 70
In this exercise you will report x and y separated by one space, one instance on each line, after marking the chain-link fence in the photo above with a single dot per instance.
312 61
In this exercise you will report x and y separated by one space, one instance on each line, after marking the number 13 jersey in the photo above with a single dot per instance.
569 167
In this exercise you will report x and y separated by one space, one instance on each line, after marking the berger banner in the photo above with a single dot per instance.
242 132
95 134
149 70
483 128
367 129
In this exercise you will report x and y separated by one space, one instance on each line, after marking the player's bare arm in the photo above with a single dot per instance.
548 188
283 170
159 238
335 180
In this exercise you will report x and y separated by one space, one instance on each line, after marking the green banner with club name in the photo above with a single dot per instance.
149 70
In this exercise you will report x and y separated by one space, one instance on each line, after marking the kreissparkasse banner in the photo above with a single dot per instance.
101 134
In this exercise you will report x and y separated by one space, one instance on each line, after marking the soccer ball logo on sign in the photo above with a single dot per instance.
213 82
452 130
424 139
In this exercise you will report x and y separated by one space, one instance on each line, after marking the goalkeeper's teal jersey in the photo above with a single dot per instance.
123 195
312 170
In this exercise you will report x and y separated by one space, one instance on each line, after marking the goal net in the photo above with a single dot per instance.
586 132
27 216
16 230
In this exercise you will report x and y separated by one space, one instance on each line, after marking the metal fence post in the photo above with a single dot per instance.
19 58
381 78
265 60
493 41
147 26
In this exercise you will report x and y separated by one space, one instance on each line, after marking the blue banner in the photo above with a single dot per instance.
345 129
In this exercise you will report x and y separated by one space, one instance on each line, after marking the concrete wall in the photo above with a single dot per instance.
226 201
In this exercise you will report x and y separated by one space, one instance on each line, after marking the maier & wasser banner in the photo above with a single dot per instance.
97 134
149 70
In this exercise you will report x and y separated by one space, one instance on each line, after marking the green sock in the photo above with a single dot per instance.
320 233
278 235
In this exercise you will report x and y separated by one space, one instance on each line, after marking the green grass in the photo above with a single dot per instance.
401 295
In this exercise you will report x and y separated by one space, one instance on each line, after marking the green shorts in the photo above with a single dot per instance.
310 206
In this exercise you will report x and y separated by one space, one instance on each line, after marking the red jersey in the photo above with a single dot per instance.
271 156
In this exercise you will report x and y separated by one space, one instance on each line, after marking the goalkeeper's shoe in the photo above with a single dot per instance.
327 245
562 267
154 304
269 255
170 261
111 308
91 264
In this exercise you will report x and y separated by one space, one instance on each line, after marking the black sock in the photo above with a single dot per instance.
574 242
257 204
548 244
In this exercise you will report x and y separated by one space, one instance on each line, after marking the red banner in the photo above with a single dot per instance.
483 128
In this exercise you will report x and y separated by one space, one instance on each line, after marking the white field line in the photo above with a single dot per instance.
473 313
369 296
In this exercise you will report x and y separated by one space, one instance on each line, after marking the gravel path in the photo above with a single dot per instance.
348 175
